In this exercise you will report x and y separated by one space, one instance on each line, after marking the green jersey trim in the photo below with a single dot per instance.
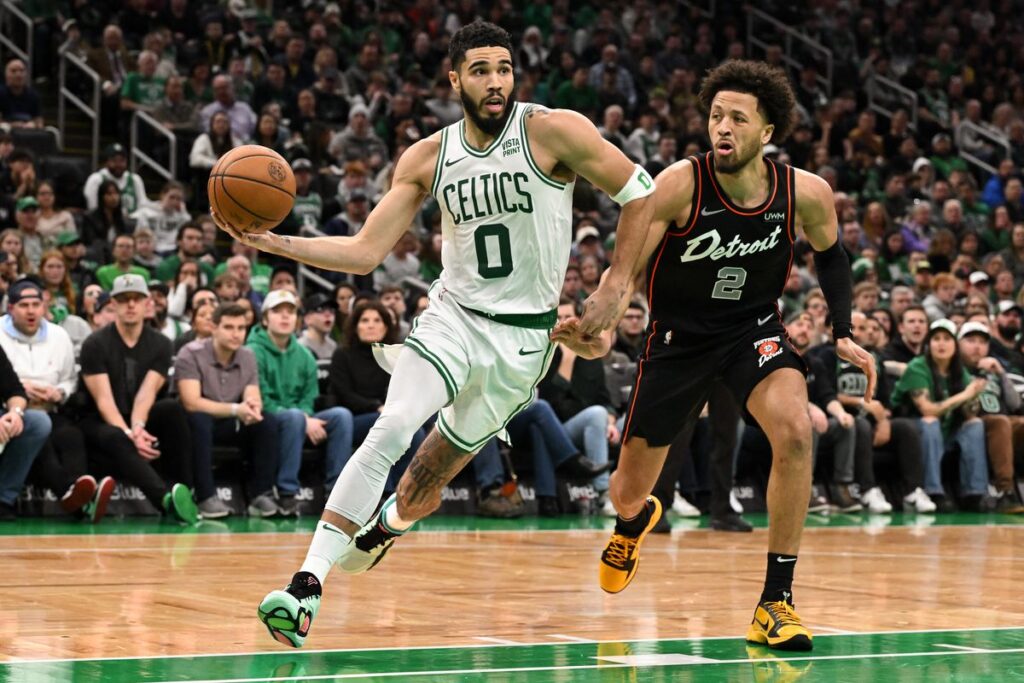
440 159
490 148
449 383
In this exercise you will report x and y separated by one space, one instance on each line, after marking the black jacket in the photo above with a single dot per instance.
10 385
586 388
357 382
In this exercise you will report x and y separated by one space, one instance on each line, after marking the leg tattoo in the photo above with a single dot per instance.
435 464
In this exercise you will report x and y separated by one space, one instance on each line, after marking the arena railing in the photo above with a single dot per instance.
706 8
992 137
761 25
305 273
65 95
885 96
10 14
139 155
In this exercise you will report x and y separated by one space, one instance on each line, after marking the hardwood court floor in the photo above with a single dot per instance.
919 599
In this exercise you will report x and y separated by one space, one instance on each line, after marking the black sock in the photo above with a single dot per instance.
303 585
778 581
635 526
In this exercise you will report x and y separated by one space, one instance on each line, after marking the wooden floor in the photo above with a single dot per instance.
153 595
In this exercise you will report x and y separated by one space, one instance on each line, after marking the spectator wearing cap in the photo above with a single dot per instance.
219 386
357 141
978 282
128 429
190 247
81 271
43 359
52 221
22 433
124 255
588 242
940 393
355 178
240 115
27 220
115 169
289 386
943 157
104 312
1003 335
169 327
400 263
999 405
20 105
318 316
165 217
922 272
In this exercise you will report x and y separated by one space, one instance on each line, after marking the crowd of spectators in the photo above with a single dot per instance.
936 243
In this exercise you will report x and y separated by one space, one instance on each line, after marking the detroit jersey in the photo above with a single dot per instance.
506 226
725 268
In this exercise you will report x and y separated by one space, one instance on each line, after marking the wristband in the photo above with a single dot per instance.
127 432
19 411
234 410
638 186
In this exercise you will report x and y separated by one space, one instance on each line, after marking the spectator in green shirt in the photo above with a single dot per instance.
124 255
190 246
142 89
938 390
577 94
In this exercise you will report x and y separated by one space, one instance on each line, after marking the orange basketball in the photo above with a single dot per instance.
252 187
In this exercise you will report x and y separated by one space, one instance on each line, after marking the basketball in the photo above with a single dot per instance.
252 187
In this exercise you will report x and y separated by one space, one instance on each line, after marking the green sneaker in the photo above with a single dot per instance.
289 613
371 542
178 503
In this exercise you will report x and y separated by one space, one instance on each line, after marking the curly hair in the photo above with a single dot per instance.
477 34
771 87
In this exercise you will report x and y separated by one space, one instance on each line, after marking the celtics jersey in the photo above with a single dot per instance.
506 226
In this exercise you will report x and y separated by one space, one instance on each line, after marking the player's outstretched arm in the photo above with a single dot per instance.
388 221
573 141
816 212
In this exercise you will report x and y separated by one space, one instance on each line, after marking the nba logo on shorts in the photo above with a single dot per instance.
768 348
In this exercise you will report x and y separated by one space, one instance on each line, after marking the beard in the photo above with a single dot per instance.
488 125
1008 331
735 161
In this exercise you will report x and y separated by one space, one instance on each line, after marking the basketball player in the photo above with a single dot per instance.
718 255
504 179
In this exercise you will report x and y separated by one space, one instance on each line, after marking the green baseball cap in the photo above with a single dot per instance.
27 203
67 238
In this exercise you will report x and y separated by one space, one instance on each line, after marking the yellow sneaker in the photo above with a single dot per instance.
621 557
777 625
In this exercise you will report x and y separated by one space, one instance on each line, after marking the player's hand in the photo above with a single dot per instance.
569 335
604 308
849 351
263 241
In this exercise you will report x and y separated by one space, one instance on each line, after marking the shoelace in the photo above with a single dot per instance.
619 550
783 613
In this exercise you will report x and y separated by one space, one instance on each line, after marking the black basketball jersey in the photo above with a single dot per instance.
724 269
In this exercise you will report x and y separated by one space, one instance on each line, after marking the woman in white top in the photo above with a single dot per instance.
51 221
213 144
165 217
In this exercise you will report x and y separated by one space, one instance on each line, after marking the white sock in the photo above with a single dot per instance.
326 547
392 520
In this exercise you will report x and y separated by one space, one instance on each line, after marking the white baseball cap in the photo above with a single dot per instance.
278 297
973 327
978 276
129 284
587 231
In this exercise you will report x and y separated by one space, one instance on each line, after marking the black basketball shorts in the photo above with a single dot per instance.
674 377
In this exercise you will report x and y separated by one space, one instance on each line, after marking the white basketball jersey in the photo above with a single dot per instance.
506 226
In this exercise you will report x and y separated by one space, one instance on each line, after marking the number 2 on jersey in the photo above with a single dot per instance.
730 284
493 250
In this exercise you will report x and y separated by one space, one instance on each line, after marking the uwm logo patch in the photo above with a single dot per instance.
767 348
774 216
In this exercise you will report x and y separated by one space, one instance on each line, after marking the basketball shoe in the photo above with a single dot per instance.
289 613
777 625
370 543
621 557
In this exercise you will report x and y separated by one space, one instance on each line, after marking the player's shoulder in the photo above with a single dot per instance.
553 124
811 188
418 162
